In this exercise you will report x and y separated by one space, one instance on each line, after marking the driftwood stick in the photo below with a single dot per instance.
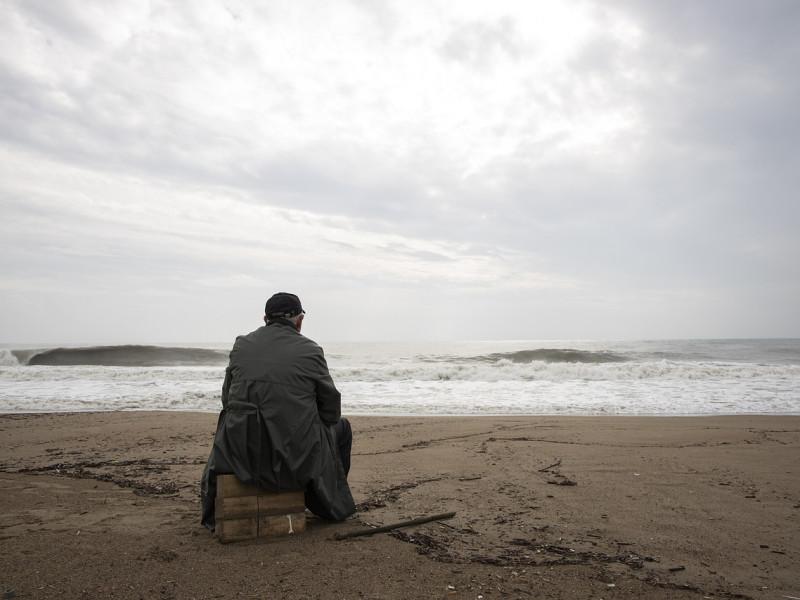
555 464
420 521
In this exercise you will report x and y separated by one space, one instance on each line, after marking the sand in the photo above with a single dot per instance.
105 505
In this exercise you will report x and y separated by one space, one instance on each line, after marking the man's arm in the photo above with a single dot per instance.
329 400
226 386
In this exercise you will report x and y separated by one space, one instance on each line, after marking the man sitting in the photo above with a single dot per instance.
280 427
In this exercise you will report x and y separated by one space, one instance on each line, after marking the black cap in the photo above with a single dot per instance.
283 304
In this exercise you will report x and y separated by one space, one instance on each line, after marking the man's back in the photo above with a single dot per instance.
279 365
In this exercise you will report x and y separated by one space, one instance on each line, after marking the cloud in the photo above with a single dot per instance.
588 160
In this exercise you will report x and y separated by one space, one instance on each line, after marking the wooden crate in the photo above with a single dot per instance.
245 512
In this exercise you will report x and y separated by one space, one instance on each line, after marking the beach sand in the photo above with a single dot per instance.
105 505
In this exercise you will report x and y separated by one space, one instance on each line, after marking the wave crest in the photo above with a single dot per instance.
556 355
125 356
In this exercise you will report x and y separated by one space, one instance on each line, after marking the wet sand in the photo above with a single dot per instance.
106 505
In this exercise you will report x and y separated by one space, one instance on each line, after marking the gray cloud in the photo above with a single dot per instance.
655 159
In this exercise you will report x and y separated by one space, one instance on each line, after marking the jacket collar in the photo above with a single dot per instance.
281 321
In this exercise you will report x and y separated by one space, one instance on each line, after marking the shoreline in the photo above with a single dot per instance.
614 506
428 415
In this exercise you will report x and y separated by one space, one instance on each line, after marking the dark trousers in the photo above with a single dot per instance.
344 442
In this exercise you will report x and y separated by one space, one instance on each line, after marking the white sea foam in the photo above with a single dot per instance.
7 358
508 371
697 378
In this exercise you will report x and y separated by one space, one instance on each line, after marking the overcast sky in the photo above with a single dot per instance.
464 170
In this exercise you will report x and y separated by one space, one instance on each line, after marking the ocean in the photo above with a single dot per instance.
566 377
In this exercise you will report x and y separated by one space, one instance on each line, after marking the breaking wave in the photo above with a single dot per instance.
690 377
118 356
552 355
160 356
562 371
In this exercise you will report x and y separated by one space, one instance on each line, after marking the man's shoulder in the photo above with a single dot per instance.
249 337
278 334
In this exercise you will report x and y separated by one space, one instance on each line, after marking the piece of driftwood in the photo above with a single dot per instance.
555 464
385 528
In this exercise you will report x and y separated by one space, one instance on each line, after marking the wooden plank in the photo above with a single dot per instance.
230 489
281 504
281 524
229 486
238 507
236 530
263 505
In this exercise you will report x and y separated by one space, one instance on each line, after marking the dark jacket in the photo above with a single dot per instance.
275 431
